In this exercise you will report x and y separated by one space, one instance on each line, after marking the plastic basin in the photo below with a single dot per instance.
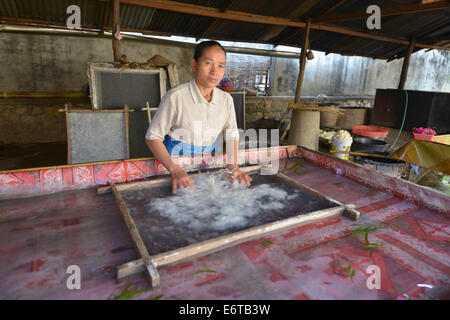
370 131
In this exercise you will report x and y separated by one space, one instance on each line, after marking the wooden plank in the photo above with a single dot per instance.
405 65
175 75
359 154
171 75
148 109
94 111
162 81
398 10
66 109
220 243
127 129
152 273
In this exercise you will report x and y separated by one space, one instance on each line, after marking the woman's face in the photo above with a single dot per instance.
210 67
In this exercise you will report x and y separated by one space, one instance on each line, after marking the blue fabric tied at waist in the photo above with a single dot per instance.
178 148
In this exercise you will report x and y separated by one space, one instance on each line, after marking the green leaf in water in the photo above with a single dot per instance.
351 272
158 297
204 271
125 294
372 245
266 243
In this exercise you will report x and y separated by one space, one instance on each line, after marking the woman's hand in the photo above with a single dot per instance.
180 179
240 176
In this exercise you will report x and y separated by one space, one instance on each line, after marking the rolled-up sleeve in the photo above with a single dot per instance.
163 120
230 130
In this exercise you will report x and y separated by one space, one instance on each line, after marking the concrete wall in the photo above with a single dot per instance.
340 75
34 120
48 63
56 63
35 63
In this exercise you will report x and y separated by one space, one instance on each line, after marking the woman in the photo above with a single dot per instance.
192 115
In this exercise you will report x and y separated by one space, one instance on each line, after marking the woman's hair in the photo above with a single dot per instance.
206 44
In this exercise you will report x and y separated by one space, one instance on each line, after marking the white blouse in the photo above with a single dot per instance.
185 115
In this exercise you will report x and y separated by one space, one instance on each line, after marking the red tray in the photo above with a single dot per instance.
370 131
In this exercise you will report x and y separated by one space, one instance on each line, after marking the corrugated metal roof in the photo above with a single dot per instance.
98 13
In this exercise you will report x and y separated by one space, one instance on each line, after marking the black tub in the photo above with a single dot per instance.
369 145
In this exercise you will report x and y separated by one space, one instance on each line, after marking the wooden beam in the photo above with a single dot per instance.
186 8
116 27
230 15
405 65
398 10
305 46
180 7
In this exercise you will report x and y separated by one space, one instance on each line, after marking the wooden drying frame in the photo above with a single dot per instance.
67 109
149 264
94 67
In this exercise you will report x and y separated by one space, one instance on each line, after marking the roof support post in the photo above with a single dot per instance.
305 46
116 30
304 125
405 65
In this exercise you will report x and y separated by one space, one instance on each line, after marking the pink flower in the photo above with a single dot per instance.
428 131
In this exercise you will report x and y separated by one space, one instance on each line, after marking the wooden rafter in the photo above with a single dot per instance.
186 8
398 10
229 15
330 8
289 36
106 12
299 11
216 20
